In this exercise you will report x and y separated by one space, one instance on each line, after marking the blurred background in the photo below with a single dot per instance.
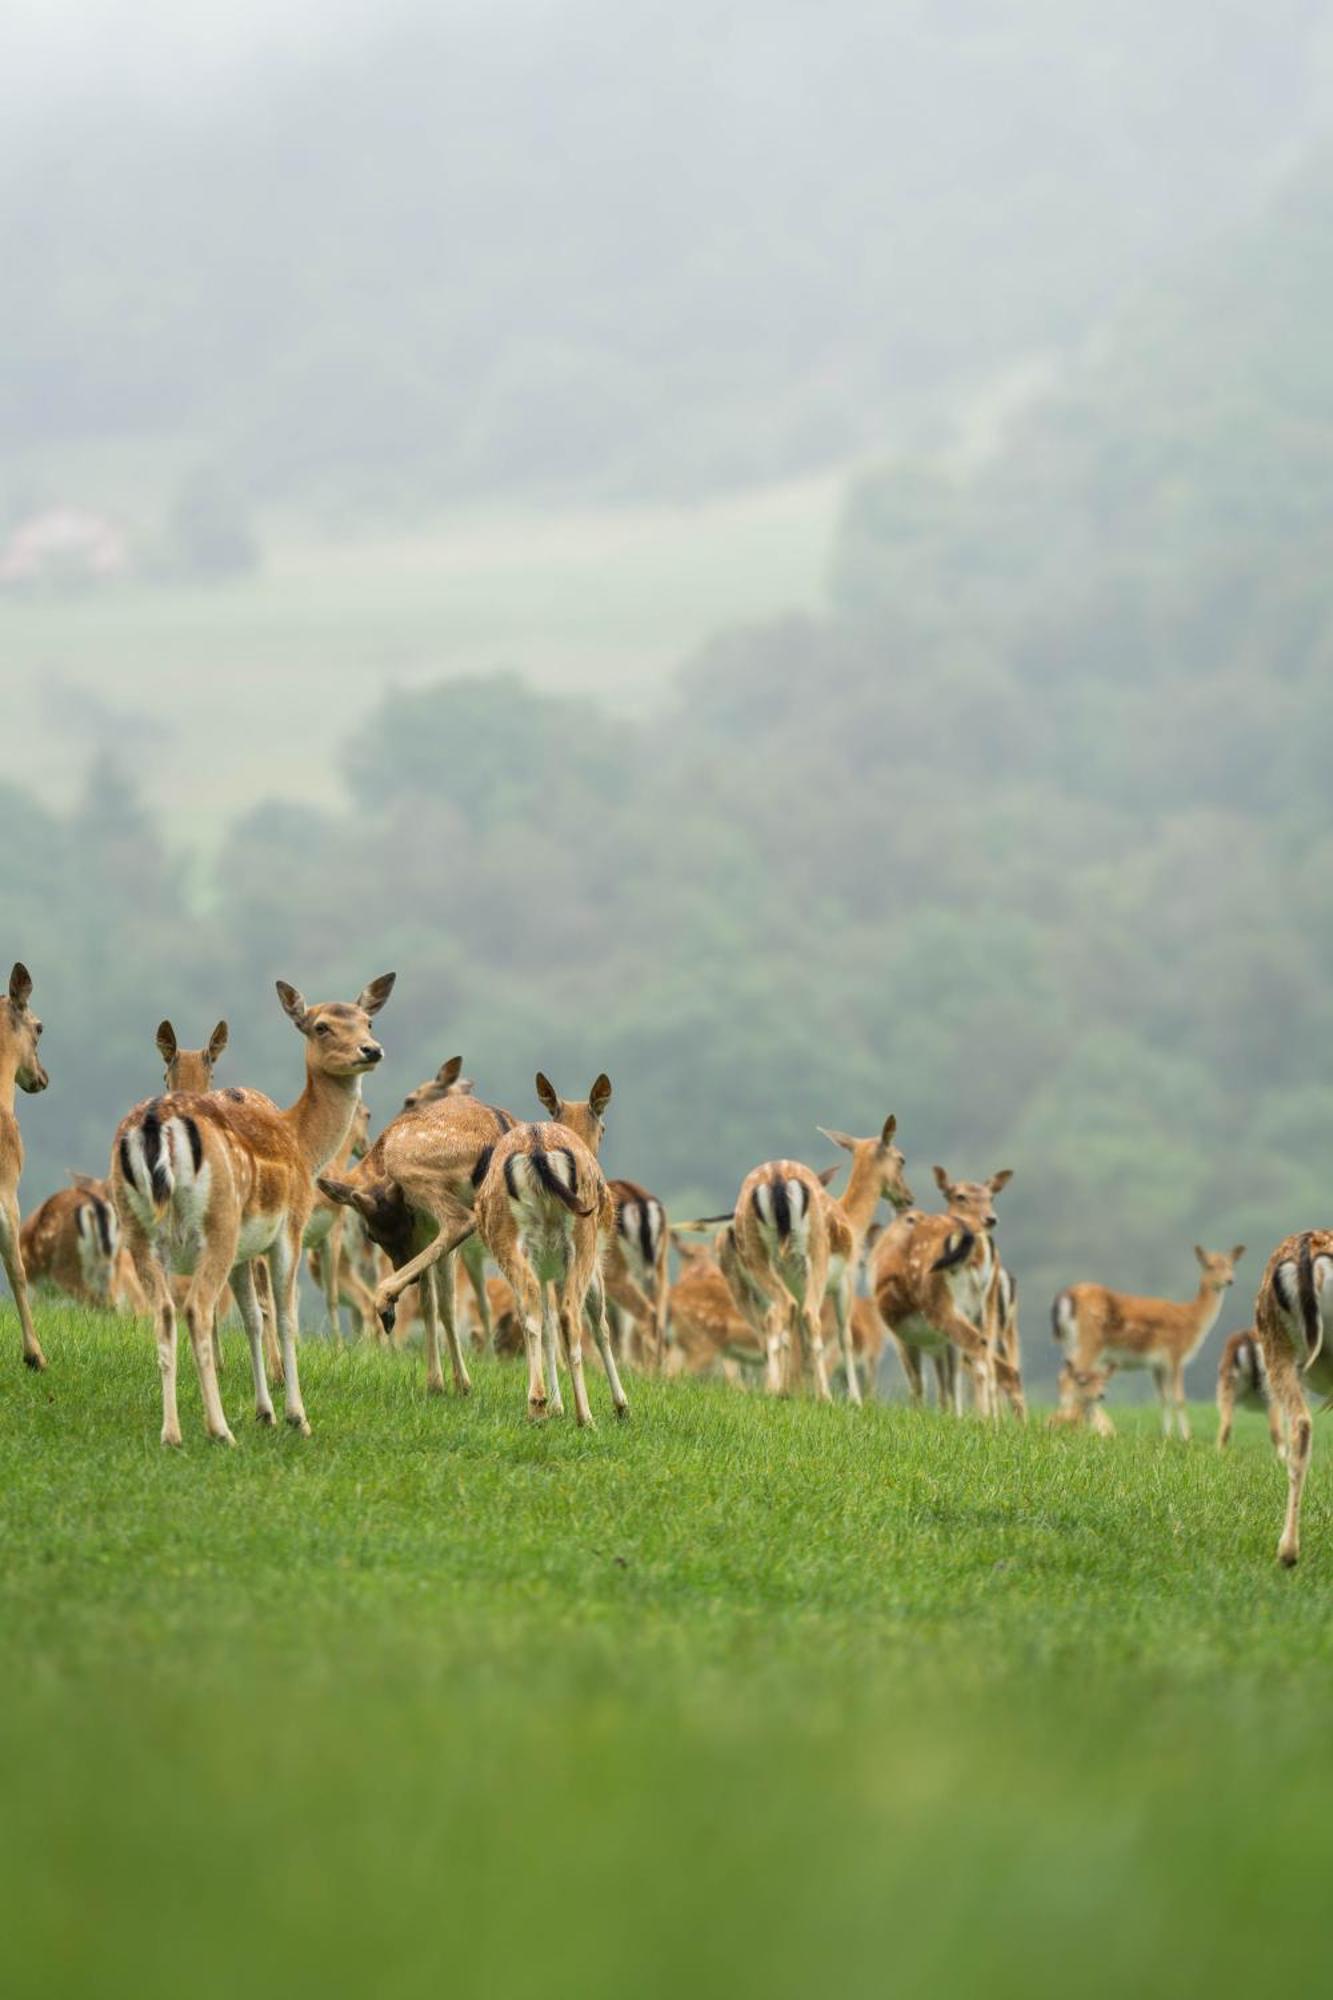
783 552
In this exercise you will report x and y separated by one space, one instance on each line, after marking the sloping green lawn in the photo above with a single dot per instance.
735 1698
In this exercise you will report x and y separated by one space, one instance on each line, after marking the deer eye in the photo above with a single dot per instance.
321 1027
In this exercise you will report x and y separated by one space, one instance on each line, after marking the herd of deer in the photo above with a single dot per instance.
213 1195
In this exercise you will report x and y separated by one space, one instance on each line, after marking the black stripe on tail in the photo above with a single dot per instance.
956 1251
1305 1295
102 1216
1057 1331
648 1234
551 1181
482 1168
151 1128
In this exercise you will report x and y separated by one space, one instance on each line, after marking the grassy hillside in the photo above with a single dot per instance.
734 1697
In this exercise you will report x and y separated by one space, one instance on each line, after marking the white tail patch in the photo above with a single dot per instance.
1065 1320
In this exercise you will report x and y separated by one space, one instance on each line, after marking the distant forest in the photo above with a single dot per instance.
1028 840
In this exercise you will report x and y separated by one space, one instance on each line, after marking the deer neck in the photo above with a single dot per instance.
9 1069
322 1116
1206 1308
860 1198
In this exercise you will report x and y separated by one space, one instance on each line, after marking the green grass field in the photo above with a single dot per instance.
735 1698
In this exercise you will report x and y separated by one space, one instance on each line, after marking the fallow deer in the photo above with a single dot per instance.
192 1069
449 1081
205 1182
415 1191
709 1332
325 1240
634 1264
1081 1402
1292 1315
73 1242
1101 1329
935 1286
20 1032
791 1242
1242 1378
544 1212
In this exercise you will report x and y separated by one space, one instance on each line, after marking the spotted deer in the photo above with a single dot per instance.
20 1064
1292 1315
934 1280
1242 1379
634 1263
328 1261
192 1069
1080 1402
449 1081
415 1191
544 1211
205 1182
792 1242
1101 1329
73 1242
709 1332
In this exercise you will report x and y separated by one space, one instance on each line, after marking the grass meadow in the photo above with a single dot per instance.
738 1697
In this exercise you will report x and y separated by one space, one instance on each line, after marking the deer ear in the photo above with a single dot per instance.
890 1127
20 984
1238 1253
166 1041
600 1095
293 1005
942 1180
447 1073
1202 1256
1001 1180
827 1177
546 1094
217 1041
83 1182
345 1194
373 997
837 1138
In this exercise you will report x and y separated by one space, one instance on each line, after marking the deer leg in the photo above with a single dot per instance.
264 1294
472 1254
440 1280
201 1304
571 1328
284 1261
428 1300
1285 1387
247 1305
909 1359
455 1224
152 1281
551 1346
1276 1435
596 1307
11 1256
842 1311
1178 1398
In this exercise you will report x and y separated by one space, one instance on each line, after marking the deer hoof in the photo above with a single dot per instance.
37 1362
266 1418
388 1318
299 1422
622 1413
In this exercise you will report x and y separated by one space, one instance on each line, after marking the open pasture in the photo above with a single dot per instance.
741 1696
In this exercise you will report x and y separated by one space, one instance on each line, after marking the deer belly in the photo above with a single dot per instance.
1129 1357
258 1233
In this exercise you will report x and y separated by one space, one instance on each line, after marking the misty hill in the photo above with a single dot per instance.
634 250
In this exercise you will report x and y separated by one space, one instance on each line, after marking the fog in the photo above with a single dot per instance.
809 525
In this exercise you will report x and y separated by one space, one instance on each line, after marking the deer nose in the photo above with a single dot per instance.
371 1052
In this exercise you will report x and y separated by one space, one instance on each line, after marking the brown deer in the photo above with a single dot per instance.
327 1251
1242 1378
192 1069
709 1332
934 1279
207 1181
544 1211
634 1266
415 1190
1291 1318
449 1081
791 1242
73 1242
1081 1401
1099 1328
20 1032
